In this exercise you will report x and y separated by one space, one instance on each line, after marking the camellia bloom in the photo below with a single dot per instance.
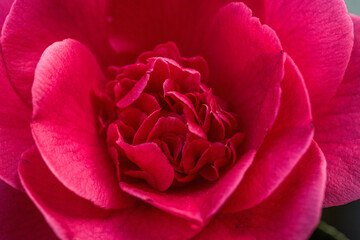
176 119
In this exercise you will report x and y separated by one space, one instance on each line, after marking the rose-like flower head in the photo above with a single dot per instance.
163 124
110 133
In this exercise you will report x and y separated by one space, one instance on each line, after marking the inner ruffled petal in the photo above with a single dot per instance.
164 124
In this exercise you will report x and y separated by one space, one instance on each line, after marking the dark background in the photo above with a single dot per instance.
345 218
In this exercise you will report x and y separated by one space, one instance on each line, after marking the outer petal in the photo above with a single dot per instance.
5 6
64 123
72 217
197 202
19 218
136 26
33 25
15 135
283 146
338 133
318 35
246 64
291 212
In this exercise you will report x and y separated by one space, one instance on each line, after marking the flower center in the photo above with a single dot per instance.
158 113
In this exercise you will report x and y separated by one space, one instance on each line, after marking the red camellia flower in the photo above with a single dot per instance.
177 119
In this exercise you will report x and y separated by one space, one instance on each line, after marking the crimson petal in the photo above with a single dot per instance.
198 202
338 133
291 212
318 35
148 156
15 133
19 218
247 68
64 124
72 217
33 25
283 146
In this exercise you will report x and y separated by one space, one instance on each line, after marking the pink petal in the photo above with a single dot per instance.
338 133
145 128
146 103
150 159
64 124
72 217
134 93
15 134
318 36
167 50
247 67
137 27
291 212
19 218
5 6
215 152
132 117
33 25
186 80
167 125
197 202
192 151
284 145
